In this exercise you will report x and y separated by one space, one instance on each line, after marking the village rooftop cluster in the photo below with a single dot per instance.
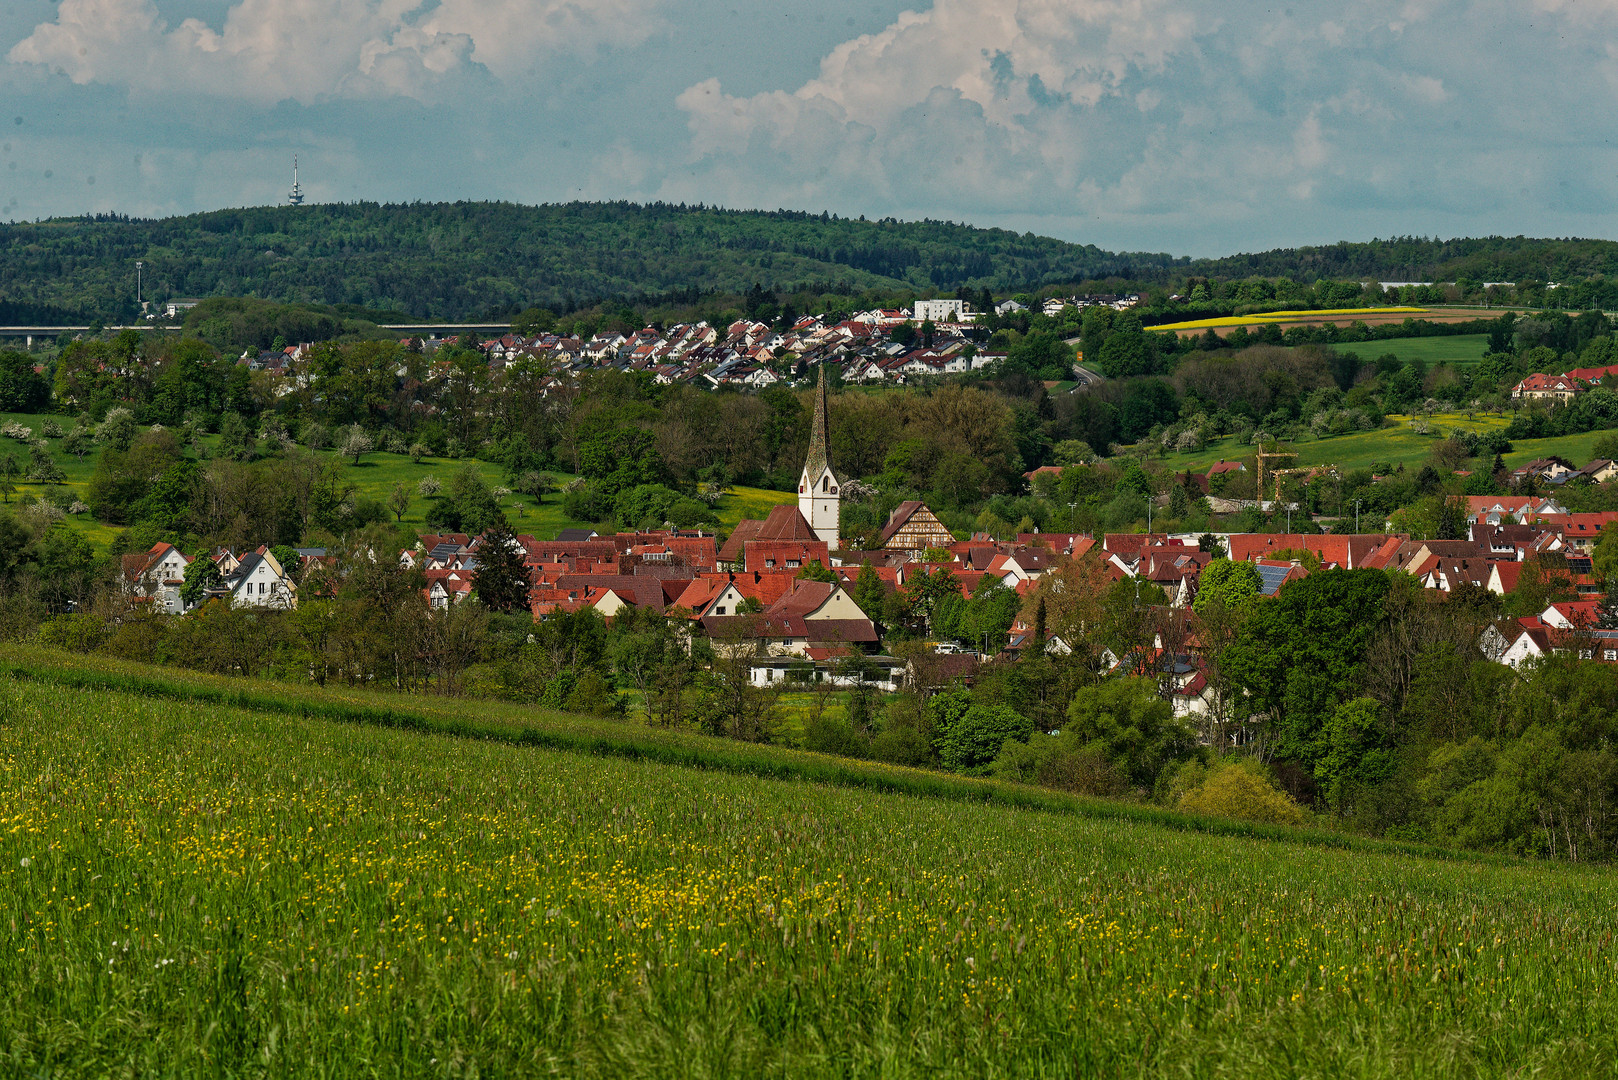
748 353
753 590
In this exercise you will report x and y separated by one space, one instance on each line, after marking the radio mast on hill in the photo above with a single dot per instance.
295 196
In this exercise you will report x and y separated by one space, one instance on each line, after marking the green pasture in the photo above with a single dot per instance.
1461 351
374 477
255 889
1395 445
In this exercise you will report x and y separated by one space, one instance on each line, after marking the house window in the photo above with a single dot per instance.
720 610
769 674
1609 654
825 483
1587 654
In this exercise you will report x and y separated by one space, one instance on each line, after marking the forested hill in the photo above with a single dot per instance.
1491 258
458 260
479 260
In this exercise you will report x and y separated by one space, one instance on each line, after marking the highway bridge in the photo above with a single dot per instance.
413 329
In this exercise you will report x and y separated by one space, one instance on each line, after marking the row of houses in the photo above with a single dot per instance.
1562 388
248 579
751 353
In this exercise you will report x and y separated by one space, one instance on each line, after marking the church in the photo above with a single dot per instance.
817 488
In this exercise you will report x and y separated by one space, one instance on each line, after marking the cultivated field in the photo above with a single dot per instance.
197 889
1379 316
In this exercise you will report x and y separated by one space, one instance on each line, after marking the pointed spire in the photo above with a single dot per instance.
295 196
819 459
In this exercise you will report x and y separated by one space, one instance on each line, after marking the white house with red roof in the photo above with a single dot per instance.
1560 388
157 574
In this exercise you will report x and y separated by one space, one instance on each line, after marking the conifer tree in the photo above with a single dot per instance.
501 578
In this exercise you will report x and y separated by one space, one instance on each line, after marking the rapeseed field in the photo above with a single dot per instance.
193 889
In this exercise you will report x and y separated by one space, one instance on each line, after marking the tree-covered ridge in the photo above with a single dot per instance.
461 260
1414 258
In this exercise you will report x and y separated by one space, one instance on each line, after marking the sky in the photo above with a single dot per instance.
1136 125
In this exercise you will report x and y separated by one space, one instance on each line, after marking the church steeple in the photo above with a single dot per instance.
818 498
819 459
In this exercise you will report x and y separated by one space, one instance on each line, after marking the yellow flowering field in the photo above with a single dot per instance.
1260 318
201 890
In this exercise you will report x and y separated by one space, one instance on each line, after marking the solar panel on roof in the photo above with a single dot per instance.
1270 578
444 551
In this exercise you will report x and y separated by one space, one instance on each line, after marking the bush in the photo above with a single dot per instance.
78 633
1237 789
970 739
1134 728
585 503
828 734
1061 761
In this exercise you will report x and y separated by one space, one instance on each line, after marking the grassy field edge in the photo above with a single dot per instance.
549 730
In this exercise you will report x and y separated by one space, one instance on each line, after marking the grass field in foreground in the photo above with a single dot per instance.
199 889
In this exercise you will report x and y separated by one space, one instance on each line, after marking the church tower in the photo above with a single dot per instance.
817 488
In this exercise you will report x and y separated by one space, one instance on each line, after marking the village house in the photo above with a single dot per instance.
811 614
1557 388
157 575
259 580
914 528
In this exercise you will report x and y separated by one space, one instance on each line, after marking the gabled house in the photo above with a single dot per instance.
446 587
914 528
157 574
261 581
812 614
1558 388
1599 471
1494 509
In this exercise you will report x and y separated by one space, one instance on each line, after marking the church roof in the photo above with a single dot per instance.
746 529
819 459
786 522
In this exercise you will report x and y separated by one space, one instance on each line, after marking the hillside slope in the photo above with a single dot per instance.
202 888
1491 258
457 260
471 259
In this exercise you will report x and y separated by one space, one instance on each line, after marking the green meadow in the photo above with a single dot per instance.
203 880
1394 445
373 477
1462 350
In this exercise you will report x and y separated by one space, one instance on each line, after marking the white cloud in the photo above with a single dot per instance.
1128 110
308 50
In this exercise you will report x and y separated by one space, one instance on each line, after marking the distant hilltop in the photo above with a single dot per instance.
464 260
